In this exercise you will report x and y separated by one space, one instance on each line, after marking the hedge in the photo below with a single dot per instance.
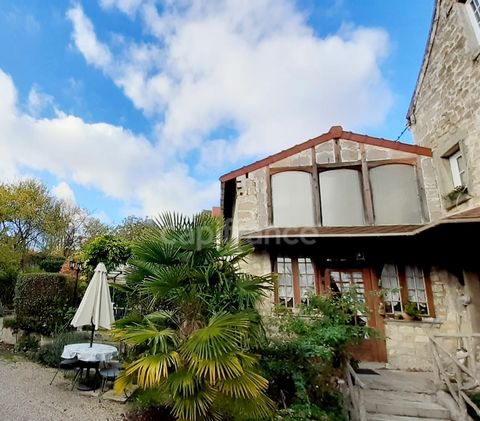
43 301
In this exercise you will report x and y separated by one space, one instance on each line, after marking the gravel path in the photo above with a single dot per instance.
25 395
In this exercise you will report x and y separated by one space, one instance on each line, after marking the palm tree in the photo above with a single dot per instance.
193 345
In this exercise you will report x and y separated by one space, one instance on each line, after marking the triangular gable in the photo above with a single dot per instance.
335 132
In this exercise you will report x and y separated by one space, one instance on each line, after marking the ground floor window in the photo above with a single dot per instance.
406 283
296 280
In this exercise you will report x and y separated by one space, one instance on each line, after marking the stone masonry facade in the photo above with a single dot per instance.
445 107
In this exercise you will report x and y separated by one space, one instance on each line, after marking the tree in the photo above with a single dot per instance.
28 214
193 346
132 228
107 249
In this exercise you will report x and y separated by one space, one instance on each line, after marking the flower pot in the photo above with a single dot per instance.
407 317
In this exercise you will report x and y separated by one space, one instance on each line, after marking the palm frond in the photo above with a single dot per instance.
150 370
224 334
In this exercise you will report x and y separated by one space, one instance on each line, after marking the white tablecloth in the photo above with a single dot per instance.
98 352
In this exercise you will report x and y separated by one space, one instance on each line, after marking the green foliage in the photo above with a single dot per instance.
28 213
49 354
306 357
304 412
197 322
11 323
412 310
42 301
107 249
28 344
133 228
53 264
9 268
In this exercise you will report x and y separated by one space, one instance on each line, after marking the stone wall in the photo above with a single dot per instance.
446 106
407 342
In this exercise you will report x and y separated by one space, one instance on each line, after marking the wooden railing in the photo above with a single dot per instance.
456 366
354 395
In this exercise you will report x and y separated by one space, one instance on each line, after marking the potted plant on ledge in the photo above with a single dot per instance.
411 312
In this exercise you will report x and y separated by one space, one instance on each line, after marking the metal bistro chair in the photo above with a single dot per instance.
110 373
87 365
66 364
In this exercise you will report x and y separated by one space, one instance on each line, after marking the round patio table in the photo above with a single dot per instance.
85 352
92 356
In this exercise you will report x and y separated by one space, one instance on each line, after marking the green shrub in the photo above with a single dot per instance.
43 301
52 264
11 323
49 354
306 357
28 344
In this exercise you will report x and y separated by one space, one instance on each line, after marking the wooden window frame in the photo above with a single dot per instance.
297 299
402 281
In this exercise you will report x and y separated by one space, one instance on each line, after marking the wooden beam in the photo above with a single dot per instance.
316 190
421 190
367 192
304 168
336 150
269 197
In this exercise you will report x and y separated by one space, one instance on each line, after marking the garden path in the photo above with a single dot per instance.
25 395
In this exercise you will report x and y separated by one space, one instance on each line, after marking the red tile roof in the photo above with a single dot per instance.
335 132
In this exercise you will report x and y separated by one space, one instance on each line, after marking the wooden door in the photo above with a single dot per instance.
363 281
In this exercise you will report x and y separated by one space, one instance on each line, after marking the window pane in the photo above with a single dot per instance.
416 288
395 195
391 289
292 199
285 281
307 278
341 198
475 4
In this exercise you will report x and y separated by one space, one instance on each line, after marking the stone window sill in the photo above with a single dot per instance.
425 320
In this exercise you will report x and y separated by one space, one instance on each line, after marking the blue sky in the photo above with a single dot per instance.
137 106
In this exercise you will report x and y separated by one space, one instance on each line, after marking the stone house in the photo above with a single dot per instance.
346 209
444 113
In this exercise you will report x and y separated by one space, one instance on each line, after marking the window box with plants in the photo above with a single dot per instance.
411 312
457 195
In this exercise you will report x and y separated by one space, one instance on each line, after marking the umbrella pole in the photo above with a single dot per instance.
91 337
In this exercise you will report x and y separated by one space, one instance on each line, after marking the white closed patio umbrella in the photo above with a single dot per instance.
96 307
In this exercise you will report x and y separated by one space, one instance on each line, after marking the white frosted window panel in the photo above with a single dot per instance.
307 278
391 289
285 281
395 195
416 288
341 197
292 199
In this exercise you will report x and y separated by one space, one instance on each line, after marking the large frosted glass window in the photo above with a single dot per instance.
292 199
395 195
341 196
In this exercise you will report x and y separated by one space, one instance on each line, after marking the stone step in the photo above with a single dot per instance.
408 408
389 417
394 395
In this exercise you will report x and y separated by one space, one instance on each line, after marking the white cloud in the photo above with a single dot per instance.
86 41
64 192
253 68
109 158
128 7
38 101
